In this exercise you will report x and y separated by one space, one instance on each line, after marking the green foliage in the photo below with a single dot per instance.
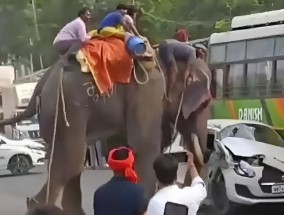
157 20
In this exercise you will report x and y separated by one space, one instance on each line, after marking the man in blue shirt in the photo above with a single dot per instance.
116 18
121 195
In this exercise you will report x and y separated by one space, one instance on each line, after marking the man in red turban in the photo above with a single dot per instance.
121 195
121 161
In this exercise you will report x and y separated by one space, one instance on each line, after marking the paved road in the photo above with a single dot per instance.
14 190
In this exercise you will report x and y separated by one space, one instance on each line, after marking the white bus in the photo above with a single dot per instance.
247 65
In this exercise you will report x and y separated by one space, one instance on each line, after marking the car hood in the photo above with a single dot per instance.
249 148
25 142
274 155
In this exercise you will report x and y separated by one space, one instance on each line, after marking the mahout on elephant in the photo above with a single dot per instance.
72 111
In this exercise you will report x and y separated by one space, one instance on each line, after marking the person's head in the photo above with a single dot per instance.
45 210
201 51
132 11
121 161
84 14
123 8
165 167
182 35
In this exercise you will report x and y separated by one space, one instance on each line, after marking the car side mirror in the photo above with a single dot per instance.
2 142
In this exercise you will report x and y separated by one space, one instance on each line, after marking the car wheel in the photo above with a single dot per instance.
19 165
219 199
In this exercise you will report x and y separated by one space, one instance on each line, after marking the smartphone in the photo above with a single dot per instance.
180 156
175 209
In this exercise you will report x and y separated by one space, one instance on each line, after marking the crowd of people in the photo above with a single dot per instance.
126 196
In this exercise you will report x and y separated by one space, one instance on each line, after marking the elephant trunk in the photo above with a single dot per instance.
31 109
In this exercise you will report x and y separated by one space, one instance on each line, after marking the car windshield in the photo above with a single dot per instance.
29 121
255 132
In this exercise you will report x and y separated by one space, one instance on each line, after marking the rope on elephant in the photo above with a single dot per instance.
59 92
176 121
164 79
145 72
62 98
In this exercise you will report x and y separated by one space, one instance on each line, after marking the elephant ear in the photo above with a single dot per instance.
195 95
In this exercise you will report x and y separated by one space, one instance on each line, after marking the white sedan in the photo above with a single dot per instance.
19 156
246 166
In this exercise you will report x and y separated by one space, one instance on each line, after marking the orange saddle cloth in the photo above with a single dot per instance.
108 61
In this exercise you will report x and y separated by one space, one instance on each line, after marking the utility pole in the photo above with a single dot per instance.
37 31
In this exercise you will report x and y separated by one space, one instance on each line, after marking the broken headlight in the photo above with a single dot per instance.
244 169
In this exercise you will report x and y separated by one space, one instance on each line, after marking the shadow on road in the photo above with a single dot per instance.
28 174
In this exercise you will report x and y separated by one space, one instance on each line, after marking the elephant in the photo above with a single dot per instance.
134 109
195 109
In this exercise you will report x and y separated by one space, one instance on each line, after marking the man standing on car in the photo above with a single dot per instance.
165 167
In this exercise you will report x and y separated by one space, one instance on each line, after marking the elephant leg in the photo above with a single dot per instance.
192 143
56 182
144 136
72 154
201 118
40 198
146 152
72 197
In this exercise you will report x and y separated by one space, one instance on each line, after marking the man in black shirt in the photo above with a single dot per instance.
121 195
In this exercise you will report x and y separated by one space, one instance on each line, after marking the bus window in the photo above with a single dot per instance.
217 53
218 78
259 76
236 51
279 46
235 86
279 77
260 48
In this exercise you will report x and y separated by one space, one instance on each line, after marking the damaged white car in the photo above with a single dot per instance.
246 166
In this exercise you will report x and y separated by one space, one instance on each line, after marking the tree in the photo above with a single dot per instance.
158 20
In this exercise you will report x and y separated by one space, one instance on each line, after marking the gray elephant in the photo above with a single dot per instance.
134 109
191 121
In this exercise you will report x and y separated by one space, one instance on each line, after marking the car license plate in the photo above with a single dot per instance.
278 188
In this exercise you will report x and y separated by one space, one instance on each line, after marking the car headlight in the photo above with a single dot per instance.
244 169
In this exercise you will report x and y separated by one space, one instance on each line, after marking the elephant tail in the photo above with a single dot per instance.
33 105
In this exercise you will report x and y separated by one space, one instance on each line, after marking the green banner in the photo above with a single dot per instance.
269 111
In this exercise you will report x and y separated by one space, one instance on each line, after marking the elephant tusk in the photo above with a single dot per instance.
197 149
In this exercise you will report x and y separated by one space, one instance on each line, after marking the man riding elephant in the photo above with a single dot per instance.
120 23
173 50
72 35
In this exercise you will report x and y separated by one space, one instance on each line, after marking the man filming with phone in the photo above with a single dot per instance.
170 199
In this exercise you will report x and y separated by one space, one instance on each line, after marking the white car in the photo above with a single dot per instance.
246 166
19 156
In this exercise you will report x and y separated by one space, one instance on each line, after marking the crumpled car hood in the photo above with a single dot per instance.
249 148
274 155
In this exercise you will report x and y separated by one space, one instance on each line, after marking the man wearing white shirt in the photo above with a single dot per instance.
166 167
